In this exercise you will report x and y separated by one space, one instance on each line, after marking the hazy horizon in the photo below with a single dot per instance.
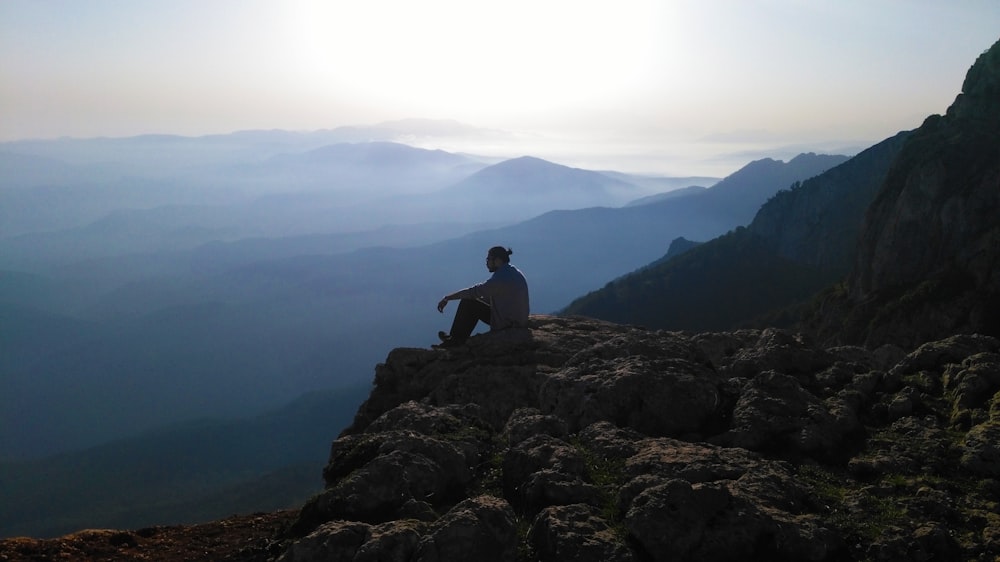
669 88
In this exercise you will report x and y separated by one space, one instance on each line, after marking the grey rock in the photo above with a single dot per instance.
981 450
528 422
481 528
579 533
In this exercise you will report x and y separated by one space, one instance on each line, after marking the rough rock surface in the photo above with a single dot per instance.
584 440
589 441
245 538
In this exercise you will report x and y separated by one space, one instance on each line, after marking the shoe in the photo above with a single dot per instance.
449 343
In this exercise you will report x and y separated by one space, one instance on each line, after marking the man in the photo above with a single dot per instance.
501 301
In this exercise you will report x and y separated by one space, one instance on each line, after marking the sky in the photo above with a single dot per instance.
669 87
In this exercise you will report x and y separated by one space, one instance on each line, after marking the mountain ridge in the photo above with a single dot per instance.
927 255
799 242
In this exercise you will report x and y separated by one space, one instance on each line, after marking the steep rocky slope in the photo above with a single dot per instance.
817 221
928 260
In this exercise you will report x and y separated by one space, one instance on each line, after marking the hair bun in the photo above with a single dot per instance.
500 251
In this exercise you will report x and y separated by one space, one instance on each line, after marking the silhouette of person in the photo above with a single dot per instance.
501 301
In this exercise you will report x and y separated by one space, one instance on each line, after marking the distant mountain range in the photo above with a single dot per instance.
170 153
347 189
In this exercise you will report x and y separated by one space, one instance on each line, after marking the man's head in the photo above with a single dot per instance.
497 256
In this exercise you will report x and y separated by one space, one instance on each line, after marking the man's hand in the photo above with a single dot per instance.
442 304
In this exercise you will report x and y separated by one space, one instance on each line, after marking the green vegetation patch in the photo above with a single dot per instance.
608 474
851 507
489 475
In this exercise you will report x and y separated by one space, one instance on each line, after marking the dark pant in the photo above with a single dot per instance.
469 312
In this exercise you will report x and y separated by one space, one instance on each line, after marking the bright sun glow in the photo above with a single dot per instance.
614 78
458 59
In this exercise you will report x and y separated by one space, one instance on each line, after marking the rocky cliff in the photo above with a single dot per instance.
928 261
582 440
817 222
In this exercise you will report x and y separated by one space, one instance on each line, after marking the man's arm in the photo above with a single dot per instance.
479 292
452 297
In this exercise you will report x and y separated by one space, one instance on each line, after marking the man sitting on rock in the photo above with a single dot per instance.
501 301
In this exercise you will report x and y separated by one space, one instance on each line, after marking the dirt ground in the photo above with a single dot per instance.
244 538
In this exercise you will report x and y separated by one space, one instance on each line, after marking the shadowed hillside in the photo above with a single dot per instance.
195 471
903 235
928 254
800 241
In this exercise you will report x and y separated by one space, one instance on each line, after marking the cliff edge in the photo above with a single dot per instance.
583 440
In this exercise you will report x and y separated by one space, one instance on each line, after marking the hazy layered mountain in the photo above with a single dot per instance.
567 252
682 192
85 197
663 185
391 167
364 192
739 196
510 191
166 154
356 172
50 185
801 240
26 170
292 194
194 471
525 178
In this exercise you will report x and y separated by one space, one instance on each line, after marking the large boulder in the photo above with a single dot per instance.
483 528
